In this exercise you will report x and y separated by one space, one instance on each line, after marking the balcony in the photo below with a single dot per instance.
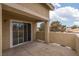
60 44
39 48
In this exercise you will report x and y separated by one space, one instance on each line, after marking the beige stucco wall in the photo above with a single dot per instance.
34 10
77 44
64 39
0 30
6 34
6 29
40 35
37 7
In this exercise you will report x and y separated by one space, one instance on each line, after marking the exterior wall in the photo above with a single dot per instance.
0 29
77 44
64 39
40 35
6 31
33 10
37 7
6 34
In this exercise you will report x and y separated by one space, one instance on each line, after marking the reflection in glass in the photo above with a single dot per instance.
15 34
25 32
21 32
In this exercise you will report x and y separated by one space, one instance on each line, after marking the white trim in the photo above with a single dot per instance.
50 6
11 33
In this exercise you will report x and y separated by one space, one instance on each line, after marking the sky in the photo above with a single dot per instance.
66 13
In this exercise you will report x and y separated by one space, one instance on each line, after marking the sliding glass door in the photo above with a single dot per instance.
15 33
21 32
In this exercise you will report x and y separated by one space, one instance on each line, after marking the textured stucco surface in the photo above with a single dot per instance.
38 8
64 39
37 11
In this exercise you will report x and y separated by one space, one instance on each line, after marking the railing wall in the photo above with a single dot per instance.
65 39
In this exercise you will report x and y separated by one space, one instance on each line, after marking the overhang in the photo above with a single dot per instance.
23 11
50 6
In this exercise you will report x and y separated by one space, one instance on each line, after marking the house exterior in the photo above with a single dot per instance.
18 23
76 30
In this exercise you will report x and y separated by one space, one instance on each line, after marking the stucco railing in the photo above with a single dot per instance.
40 35
77 44
65 39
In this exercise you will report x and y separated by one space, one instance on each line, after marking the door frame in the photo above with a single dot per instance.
11 32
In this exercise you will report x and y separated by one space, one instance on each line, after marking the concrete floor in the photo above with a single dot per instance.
39 49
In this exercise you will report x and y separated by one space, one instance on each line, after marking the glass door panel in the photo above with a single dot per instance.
15 33
25 32
21 32
29 32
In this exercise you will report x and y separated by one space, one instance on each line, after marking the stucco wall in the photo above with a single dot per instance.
64 39
38 8
6 28
40 35
77 44
33 10
6 34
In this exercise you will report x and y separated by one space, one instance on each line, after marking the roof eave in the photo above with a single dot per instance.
50 6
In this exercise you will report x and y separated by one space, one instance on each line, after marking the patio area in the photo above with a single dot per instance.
38 48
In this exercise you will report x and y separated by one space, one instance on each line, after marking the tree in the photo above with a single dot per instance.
63 28
74 27
56 26
42 27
